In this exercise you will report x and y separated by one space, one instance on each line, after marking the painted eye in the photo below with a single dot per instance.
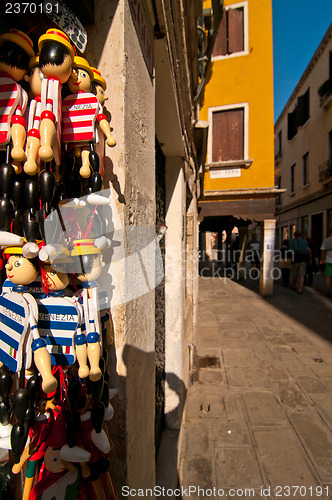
55 459
17 263
53 273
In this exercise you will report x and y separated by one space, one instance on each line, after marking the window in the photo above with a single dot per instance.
305 167
278 197
300 115
292 125
228 135
302 109
292 174
278 153
279 143
231 37
284 233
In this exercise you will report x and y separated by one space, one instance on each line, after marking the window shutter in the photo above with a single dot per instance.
235 30
220 45
302 108
228 135
292 124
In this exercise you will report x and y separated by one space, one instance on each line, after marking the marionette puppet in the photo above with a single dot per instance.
55 62
19 316
34 78
36 445
16 48
58 478
60 318
81 110
87 264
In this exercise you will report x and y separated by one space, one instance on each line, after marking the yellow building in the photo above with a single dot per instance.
237 103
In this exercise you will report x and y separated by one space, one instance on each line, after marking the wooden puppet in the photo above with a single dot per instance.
59 478
60 318
81 110
16 48
19 316
55 61
99 88
88 266
33 135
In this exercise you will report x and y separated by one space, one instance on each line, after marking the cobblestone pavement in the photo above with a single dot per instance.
258 417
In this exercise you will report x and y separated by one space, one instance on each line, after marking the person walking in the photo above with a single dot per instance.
326 257
301 257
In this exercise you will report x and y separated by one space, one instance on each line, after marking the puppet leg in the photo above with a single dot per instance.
94 356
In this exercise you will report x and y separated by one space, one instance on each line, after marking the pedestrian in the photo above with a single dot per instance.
326 257
300 258
312 267
253 255
285 262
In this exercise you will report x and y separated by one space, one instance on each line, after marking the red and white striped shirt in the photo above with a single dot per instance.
12 101
79 114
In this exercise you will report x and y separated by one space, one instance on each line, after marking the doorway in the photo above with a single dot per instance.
317 229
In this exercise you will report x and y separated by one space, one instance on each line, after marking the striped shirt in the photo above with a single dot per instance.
13 100
14 318
79 113
58 320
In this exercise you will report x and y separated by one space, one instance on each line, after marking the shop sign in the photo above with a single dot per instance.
223 173
143 34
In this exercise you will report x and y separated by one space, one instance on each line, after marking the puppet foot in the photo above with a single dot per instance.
46 153
83 371
18 153
49 384
95 375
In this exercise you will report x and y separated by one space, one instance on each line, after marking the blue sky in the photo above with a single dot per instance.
298 28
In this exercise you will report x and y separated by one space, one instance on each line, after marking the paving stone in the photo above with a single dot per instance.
317 439
306 348
277 340
282 461
230 434
292 337
233 407
276 371
291 361
196 439
264 354
239 357
312 385
198 471
322 370
236 377
257 378
291 395
237 468
263 409
210 376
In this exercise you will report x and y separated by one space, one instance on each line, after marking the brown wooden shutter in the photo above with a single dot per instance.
228 135
235 30
220 45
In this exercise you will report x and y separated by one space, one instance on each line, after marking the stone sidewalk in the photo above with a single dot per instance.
258 417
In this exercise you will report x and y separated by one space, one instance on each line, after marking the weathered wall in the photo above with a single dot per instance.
130 172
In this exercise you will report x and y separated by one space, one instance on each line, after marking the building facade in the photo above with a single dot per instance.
238 178
303 151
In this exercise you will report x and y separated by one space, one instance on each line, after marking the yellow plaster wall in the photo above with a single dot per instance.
248 78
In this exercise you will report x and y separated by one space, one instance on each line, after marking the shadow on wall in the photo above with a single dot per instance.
98 32
132 427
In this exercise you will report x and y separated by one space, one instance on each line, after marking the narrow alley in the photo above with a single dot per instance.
258 416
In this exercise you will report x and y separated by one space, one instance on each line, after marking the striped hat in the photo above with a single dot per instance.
20 38
55 35
81 63
84 247
97 78
34 61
